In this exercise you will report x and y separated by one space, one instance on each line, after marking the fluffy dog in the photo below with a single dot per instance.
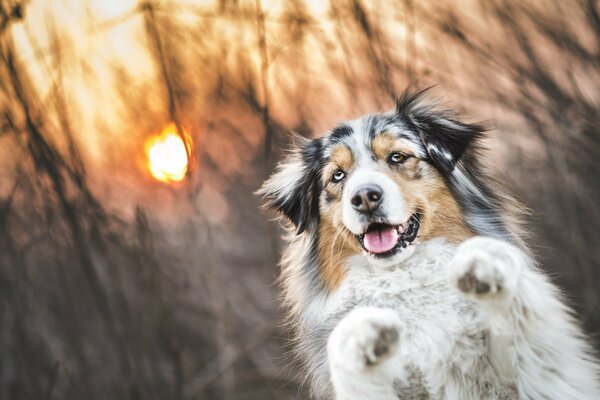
405 273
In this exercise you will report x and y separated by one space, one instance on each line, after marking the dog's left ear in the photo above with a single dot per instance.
444 138
293 189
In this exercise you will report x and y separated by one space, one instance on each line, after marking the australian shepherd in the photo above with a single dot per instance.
405 274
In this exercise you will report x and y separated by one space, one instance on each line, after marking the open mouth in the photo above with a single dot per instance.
383 240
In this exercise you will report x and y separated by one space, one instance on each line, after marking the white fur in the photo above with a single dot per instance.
437 321
358 368
516 340
392 203
290 171
367 171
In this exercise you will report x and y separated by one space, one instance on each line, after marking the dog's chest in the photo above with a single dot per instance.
434 315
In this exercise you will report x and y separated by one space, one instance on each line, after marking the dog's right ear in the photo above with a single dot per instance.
293 189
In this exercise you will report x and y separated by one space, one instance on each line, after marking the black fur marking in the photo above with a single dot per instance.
339 133
301 206
448 143
312 186
444 138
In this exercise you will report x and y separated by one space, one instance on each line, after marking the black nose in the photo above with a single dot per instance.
367 199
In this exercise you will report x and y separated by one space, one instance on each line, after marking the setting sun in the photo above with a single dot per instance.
167 155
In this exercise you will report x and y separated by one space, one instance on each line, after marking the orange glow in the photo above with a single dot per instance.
167 155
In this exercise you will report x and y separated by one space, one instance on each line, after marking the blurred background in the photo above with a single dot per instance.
134 260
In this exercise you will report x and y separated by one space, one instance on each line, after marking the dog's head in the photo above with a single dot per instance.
377 185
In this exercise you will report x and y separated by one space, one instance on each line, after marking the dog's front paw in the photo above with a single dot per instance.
363 339
486 269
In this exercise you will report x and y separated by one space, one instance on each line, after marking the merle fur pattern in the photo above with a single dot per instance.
452 147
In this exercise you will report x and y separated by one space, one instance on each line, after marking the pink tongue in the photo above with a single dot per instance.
380 241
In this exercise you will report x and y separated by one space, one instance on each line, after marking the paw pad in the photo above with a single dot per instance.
469 283
364 338
388 337
486 268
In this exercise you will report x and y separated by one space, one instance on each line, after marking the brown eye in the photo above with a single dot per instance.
338 176
396 158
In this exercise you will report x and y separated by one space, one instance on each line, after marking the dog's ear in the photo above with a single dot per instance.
444 138
294 188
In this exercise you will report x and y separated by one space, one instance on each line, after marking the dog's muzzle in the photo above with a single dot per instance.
382 240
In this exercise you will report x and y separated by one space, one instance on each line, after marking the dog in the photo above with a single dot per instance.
406 274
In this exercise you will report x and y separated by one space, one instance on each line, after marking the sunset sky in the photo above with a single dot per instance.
134 262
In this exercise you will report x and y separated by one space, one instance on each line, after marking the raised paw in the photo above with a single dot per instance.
364 338
486 269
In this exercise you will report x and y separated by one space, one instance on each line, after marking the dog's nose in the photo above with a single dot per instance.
367 199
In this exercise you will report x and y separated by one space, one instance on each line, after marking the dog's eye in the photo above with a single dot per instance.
397 158
338 176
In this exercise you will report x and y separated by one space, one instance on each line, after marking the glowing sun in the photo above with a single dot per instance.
167 154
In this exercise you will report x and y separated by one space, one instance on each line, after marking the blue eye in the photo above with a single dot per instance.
338 176
397 158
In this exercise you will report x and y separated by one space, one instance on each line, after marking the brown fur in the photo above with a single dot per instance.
384 144
336 243
424 191
341 158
